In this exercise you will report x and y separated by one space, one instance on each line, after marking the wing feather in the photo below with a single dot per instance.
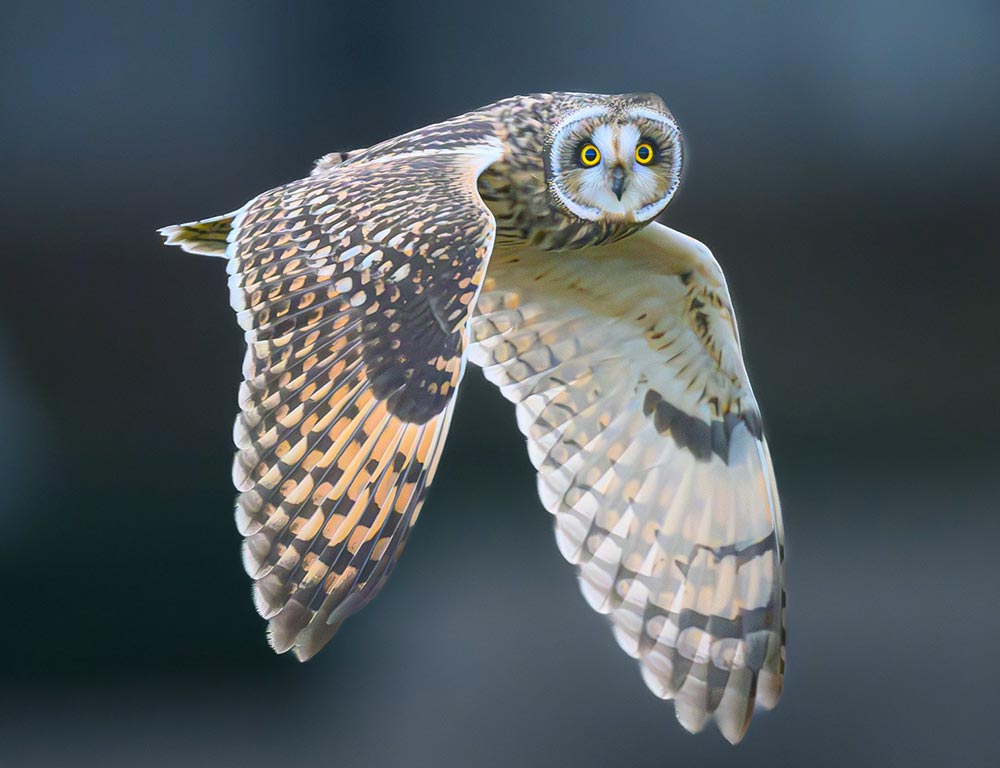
625 366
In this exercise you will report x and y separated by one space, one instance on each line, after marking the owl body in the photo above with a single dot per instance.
520 237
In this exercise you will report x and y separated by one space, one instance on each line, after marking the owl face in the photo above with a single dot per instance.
618 161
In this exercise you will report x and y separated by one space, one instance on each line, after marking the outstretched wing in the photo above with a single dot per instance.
354 288
625 365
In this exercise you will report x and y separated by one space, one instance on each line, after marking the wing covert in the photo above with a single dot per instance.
625 365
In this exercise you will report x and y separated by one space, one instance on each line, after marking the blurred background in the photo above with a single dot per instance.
843 165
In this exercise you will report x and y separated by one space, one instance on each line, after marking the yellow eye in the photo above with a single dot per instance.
590 155
644 153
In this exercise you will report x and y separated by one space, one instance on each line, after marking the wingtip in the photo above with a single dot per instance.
690 705
735 709
284 627
287 633
769 686
733 734
731 715
302 655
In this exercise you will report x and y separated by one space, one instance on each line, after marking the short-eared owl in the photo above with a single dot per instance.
521 237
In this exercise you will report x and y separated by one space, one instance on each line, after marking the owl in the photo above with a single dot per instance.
520 237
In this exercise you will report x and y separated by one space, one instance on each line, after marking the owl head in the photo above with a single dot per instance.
618 159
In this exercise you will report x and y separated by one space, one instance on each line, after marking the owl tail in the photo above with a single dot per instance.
207 237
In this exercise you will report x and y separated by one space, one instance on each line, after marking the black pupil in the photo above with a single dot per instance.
590 154
644 153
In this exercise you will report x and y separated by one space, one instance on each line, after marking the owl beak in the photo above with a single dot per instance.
618 181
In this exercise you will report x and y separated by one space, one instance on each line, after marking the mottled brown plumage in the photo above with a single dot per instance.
358 288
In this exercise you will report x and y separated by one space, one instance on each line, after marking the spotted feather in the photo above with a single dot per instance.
354 287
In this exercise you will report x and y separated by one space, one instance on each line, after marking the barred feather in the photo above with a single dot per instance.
625 366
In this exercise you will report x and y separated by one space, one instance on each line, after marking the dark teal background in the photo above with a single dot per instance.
843 164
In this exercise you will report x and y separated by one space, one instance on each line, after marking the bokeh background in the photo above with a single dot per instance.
844 167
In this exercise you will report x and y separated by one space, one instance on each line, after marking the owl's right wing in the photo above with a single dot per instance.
354 287
625 365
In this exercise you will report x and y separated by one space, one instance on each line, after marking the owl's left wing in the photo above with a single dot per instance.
625 365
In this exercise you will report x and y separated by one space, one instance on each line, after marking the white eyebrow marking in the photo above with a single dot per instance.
659 117
581 114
